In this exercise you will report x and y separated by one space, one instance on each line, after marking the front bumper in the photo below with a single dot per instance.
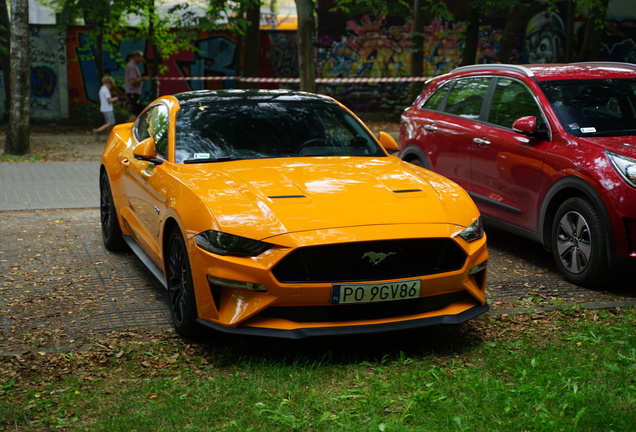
299 309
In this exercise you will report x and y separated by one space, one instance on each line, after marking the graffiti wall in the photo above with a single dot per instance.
64 76
64 69
369 46
48 75
215 56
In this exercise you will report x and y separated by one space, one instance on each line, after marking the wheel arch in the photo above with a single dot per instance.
169 225
413 151
570 187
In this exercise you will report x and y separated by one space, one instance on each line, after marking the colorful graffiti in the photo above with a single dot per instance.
371 49
48 73
64 70
620 42
215 55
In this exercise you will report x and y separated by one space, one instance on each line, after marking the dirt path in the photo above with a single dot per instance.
70 146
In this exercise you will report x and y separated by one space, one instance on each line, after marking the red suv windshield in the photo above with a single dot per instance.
600 107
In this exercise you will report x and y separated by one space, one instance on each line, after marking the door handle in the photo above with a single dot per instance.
481 142
430 127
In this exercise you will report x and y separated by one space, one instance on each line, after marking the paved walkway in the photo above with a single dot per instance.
49 185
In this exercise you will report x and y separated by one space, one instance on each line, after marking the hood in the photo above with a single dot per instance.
268 197
625 145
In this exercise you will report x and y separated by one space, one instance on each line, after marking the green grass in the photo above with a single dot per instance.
24 158
571 370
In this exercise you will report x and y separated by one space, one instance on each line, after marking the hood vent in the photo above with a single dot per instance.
407 191
286 196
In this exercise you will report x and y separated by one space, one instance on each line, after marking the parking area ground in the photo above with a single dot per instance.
59 286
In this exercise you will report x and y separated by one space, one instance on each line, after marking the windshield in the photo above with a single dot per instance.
222 131
602 107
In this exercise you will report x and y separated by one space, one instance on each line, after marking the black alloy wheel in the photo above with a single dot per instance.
183 308
111 231
578 243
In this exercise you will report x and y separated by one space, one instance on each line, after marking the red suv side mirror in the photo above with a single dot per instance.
528 126
525 125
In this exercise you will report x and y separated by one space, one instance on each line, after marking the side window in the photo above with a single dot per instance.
467 96
512 100
158 127
141 127
154 123
434 101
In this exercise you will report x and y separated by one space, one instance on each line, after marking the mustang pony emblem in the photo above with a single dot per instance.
376 258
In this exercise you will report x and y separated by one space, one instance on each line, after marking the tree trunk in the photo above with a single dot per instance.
5 58
594 27
17 142
252 44
569 36
98 27
517 18
417 47
156 55
305 40
472 35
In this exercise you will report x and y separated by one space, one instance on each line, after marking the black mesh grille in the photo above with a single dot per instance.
366 311
368 261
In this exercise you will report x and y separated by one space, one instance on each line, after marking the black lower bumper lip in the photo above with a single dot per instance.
302 333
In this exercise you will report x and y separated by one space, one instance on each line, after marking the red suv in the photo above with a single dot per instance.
546 151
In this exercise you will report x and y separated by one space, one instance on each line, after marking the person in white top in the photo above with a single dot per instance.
106 100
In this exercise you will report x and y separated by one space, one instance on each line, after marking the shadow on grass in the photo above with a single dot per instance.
431 341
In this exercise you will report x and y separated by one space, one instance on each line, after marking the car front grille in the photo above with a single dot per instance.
368 261
365 311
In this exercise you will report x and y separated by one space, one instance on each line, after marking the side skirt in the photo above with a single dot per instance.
145 259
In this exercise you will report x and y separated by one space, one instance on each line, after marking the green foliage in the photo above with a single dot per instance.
433 8
573 370
375 7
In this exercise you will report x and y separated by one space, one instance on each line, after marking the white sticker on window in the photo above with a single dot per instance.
201 156
588 130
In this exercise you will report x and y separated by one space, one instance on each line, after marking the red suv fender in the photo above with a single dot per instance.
563 189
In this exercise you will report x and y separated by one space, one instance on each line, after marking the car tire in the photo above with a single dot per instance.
578 243
183 308
111 231
419 162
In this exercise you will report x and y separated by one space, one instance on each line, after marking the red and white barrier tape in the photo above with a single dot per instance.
297 80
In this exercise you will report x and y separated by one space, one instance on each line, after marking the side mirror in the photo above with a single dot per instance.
528 126
147 151
388 142
525 125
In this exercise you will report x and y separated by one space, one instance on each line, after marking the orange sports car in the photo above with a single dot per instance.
278 213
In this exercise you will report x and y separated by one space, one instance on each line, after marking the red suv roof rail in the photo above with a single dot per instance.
628 66
495 66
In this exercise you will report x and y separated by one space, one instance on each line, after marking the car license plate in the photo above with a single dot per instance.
375 292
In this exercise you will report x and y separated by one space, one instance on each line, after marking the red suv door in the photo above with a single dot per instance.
446 124
507 176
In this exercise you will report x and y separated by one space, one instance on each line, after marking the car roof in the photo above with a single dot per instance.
198 96
549 72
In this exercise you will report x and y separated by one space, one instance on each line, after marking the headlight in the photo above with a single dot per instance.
473 232
625 166
228 244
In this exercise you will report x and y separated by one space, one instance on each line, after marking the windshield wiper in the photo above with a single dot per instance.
210 160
